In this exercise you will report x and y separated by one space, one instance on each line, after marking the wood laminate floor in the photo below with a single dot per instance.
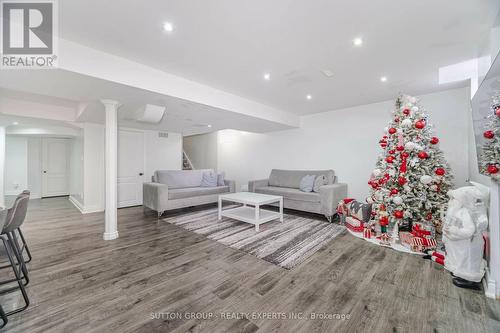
158 277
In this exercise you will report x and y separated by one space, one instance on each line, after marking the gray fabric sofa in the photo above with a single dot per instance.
286 184
172 189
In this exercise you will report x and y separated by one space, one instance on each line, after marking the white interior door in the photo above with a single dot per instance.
54 167
130 168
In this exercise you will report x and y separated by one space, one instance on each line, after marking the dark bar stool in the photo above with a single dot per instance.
12 219
3 316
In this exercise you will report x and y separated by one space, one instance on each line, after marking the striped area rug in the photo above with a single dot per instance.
284 244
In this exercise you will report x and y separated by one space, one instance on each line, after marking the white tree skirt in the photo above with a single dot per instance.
393 245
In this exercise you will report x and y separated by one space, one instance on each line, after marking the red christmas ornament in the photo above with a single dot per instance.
434 140
382 207
396 120
381 181
394 191
429 217
383 221
400 148
401 181
420 124
497 111
386 176
440 171
392 130
406 111
389 159
492 169
392 152
374 186
422 155
405 154
385 137
398 214
489 134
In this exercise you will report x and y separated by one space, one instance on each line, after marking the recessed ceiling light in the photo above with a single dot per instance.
357 41
168 27
309 97
15 123
383 79
209 126
267 76
327 72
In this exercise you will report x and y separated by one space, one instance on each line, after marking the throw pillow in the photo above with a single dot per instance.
307 183
209 179
319 181
220 179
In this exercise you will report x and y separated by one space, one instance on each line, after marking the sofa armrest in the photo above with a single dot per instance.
330 196
231 184
155 196
253 184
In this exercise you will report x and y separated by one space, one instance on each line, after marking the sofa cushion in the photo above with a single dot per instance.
307 183
290 193
220 179
190 192
209 179
318 182
179 178
291 178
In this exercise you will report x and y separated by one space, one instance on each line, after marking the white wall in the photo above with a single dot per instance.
344 140
76 168
93 168
202 150
35 167
16 165
159 153
162 153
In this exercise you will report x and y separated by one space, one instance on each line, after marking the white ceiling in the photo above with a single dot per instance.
71 90
229 44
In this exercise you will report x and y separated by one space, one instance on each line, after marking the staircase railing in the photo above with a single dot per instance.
186 162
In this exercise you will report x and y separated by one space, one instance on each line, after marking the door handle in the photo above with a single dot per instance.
141 174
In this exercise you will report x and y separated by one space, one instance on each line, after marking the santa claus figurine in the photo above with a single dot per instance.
466 220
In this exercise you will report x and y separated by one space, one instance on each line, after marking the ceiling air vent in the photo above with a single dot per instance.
163 134
151 114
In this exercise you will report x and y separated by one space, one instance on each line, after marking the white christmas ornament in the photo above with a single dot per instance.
397 200
377 172
386 129
414 109
406 123
426 179
434 188
409 146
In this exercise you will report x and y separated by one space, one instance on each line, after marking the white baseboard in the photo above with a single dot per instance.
85 209
76 203
110 235
490 286
92 209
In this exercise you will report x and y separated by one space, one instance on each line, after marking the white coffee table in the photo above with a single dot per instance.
253 215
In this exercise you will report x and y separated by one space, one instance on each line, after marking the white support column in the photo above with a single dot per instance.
2 166
111 153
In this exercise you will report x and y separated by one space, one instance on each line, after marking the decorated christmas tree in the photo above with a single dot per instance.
489 159
411 178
